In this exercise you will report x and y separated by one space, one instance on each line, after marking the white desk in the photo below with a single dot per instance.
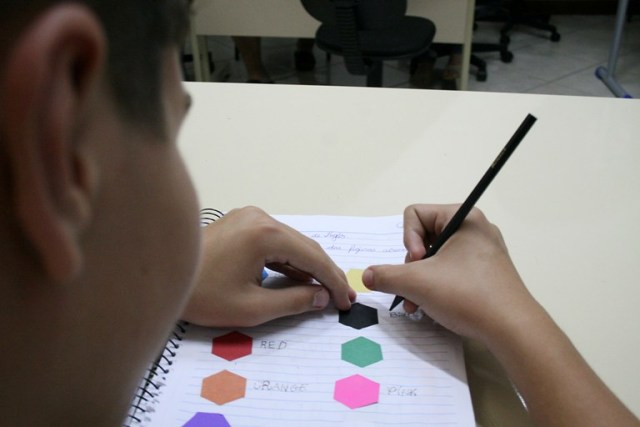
287 18
567 201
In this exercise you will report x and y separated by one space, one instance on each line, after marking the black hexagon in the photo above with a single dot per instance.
359 316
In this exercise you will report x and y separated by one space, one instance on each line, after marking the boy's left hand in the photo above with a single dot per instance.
236 249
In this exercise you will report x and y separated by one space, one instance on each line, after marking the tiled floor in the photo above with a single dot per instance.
539 66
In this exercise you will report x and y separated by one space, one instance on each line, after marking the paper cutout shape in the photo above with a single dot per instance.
359 316
232 346
223 387
361 352
354 277
205 419
356 391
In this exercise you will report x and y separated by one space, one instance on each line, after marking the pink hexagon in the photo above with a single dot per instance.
356 391
232 346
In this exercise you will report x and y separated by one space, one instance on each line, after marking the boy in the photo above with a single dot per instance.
99 234
101 249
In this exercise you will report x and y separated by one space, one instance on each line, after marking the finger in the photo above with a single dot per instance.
304 254
400 279
415 234
422 223
290 272
409 306
269 304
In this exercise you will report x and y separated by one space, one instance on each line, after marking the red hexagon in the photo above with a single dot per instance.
232 346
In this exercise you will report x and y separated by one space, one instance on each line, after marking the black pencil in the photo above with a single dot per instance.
468 204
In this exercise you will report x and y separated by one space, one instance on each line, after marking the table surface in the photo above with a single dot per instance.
567 201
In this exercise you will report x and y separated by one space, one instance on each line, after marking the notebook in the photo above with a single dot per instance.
364 367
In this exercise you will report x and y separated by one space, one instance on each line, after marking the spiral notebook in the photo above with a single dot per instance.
365 367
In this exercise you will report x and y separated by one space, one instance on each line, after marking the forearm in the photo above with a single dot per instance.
472 287
557 384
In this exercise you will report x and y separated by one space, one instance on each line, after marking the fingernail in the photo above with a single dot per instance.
321 299
353 297
367 278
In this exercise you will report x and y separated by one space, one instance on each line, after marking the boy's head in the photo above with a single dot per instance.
98 219
137 31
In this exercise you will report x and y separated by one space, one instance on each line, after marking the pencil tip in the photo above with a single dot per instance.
397 300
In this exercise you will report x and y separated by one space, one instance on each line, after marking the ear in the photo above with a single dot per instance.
50 74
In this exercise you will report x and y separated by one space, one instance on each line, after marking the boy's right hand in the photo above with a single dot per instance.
470 285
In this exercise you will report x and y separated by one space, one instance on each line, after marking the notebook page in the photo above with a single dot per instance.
313 369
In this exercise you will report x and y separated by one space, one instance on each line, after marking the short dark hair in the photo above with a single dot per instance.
137 31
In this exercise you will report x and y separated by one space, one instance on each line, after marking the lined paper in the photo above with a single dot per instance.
295 362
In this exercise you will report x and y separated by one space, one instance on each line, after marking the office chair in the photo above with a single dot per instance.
520 14
368 32
483 10
514 13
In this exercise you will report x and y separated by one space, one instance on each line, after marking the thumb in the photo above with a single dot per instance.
392 279
291 300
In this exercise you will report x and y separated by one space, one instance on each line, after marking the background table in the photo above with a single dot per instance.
567 201
287 18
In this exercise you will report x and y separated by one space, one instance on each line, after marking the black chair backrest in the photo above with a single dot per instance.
370 14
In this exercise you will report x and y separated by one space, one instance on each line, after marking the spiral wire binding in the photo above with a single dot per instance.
149 389
209 215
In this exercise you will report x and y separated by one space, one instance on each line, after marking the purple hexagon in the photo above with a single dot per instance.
205 419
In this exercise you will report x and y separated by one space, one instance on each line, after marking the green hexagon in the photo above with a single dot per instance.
361 352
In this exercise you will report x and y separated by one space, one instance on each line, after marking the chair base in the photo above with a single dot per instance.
538 22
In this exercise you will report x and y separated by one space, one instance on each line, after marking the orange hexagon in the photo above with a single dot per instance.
223 387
